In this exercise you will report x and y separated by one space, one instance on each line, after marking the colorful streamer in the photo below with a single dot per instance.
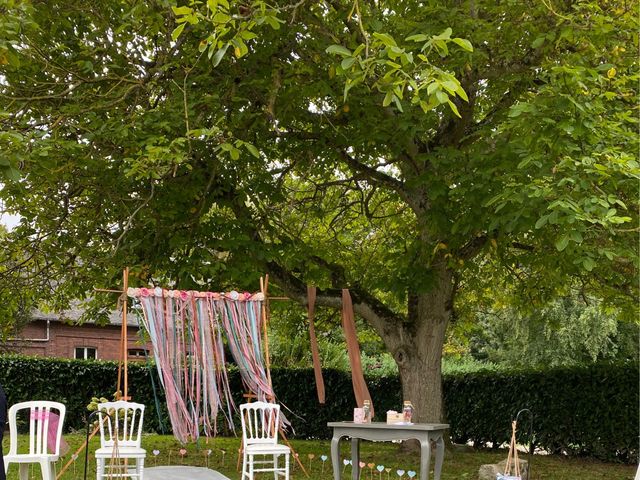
186 330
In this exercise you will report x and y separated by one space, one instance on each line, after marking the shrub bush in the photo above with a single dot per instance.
591 411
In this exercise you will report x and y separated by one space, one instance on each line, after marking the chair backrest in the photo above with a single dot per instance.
45 427
260 422
121 423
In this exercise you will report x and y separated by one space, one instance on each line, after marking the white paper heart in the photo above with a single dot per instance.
323 458
400 472
380 468
411 473
209 452
346 462
156 452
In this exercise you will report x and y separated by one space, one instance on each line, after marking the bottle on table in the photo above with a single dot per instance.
407 411
366 406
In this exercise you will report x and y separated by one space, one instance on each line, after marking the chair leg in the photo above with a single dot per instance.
275 467
244 465
24 471
6 467
45 468
286 466
250 461
99 468
140 468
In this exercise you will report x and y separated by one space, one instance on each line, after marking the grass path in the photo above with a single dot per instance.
165 450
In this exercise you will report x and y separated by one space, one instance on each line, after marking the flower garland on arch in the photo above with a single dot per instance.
186 330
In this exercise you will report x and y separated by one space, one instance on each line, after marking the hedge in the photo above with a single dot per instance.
591 411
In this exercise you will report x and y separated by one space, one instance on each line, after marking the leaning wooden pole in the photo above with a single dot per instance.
264 288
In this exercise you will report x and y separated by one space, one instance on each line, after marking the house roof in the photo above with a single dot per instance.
74 314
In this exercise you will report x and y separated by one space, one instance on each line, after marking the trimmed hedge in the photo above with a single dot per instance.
591 411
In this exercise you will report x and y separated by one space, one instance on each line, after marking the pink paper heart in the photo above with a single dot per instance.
362 464
183 452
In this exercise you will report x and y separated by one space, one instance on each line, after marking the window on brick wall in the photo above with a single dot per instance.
137 352
86 353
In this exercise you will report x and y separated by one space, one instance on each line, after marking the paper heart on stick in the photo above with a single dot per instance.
380 468
400 472
362 464
183 451
346 462
323 458
411 473
371 465
387 470
156 452
311 456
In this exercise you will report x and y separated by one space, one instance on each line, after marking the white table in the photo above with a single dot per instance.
425 433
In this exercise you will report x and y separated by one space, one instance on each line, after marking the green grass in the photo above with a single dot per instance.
457 465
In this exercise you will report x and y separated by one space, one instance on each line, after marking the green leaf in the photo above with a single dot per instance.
562 243
339 50
464 43
347 63
542 221
217 58
252 150
386 39
420 37
454 109
446 35
12 174
388 98
538 42
177 31
398 103
182 10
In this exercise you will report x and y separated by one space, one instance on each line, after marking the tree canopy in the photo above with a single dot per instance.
407 150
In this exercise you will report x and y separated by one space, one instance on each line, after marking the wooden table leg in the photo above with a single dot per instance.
335 457
425 457
355 458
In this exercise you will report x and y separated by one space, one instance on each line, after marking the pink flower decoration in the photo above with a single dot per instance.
247 295
144 292
183 294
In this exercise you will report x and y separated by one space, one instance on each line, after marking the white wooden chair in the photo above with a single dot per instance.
120 439
260 424
44 437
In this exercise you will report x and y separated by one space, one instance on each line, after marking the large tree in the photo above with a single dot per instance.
402 149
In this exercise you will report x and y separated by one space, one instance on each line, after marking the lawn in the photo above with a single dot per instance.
223 456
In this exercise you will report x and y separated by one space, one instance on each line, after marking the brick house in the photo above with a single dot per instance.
49 335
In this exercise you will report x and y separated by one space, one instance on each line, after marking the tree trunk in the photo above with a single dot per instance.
417 346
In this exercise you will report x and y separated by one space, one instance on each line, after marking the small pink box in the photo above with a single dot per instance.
358 415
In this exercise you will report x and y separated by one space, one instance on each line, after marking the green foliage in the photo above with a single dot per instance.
566 332
578 411
586 411
76 383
